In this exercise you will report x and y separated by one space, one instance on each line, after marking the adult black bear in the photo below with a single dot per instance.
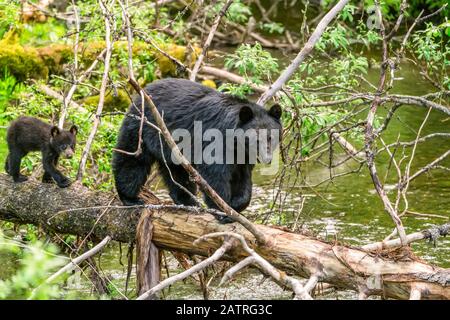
30 134
181 103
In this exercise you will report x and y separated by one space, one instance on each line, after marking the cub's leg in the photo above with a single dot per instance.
15 157
47 178
48 161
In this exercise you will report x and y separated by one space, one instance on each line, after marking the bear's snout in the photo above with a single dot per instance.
68 153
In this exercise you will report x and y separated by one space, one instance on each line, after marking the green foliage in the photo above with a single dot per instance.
240 91
432 47
238 12
334 37
389 8
10 90
367 36
429 5
37 34
347 13
37 262
337 63
9 15
254 63
272 27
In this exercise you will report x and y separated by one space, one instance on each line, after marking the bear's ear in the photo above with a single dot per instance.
245 114
275 111
73 130
54 131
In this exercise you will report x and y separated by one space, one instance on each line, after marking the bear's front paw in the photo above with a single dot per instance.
64 183
224 219
47 179
132 202
21 178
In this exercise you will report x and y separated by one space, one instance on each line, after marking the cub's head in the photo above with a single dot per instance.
63 141
264 126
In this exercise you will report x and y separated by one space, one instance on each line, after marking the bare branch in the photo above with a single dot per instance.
300 292
183 275
74 263
289 71
369 135
101 100
429 166
209 39
431 234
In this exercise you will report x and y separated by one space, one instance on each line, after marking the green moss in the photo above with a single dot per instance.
209 83
119 102
23 62
166 66
37 63
55 56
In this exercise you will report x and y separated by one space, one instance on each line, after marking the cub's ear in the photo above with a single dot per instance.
245 114
73 130
275 111
54 131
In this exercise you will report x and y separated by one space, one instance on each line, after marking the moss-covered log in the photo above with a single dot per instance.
79 211
25 62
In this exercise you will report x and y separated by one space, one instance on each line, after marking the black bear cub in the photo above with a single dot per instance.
28 134
182 104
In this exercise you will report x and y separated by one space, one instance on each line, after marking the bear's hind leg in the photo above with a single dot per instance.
15 157
241 189
180 177
130 176
219 180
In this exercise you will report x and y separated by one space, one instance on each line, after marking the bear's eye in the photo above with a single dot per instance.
64 147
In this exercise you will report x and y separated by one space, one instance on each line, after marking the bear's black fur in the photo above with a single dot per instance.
181 102
28 134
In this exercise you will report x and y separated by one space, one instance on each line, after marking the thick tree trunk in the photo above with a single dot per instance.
76 210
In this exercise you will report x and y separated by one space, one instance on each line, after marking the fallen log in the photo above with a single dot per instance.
79 211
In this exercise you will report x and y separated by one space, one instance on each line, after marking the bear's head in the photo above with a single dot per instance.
262 129
63 141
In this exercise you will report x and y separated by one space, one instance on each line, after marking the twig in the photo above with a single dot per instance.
183 275
67 100
126 18
289 71
369 135
403 187
101 100
74 263
429 166
209 39
300 291
432 234
55 95
236 268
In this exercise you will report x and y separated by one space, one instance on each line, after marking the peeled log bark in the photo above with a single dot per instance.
176 229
